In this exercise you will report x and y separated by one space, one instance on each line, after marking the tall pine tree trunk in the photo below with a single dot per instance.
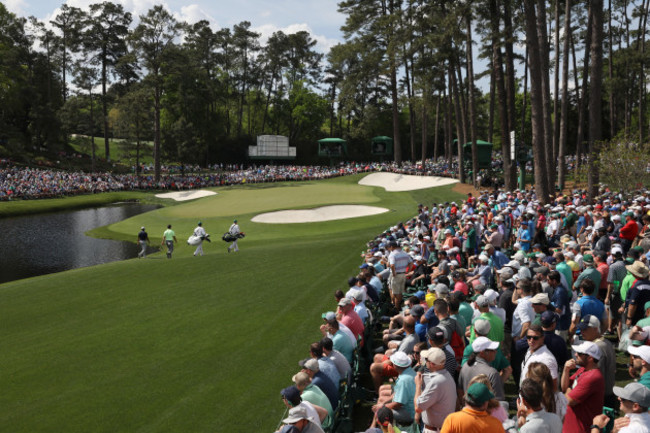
582 109
564 121
595 92
542 34
535 65
511 89
470 86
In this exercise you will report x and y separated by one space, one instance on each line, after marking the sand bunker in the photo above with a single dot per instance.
186 195
325 213
404 182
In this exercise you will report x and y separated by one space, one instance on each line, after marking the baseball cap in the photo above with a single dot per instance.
296 414
515 263
587 348
641 351
420 294
292 394
588 258
364 266
548 318
417 311
345 301
309 364
399 359
482 301
330 315
434 355
442 288
491 294
542 270
483 343
142 228
437 335
479 393
588 321
634 392
482 326
540 298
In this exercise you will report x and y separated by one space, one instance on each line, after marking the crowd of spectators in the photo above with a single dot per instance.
18 182
467 299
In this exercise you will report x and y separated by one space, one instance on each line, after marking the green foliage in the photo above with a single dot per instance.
623 164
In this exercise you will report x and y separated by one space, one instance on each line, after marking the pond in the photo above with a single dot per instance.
54 242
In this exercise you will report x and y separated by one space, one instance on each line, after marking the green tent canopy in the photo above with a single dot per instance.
381 145
332 147
484 150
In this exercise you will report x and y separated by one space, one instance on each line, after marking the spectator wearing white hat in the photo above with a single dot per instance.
590 330
435 392
640 363
484 352
496 324
400 397
584 389
299 418
493 297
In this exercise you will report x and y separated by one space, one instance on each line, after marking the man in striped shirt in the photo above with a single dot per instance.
398 261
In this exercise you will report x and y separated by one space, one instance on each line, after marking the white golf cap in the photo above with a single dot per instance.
400 359
642 352
587 348
484 343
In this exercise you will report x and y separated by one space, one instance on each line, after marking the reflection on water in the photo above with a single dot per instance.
46 243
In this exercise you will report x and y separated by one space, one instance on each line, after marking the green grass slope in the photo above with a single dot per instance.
194 344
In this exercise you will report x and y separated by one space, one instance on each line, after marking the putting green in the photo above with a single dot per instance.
268 197
195 344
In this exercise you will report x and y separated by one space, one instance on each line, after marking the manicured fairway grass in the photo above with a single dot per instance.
192 344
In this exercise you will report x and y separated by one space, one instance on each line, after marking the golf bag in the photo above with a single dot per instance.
228 237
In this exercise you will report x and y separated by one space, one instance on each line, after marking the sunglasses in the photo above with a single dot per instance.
533 337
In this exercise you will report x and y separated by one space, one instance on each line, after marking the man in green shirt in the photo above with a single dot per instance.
481 328
590 272
496 324
169 237
563 268
313 394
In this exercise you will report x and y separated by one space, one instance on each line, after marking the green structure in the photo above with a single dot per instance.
484 150
381 146
332 147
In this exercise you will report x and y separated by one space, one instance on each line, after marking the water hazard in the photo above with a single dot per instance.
54 242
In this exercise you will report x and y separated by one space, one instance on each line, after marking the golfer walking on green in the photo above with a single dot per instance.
169 237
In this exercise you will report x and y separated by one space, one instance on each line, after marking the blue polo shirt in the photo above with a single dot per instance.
590 305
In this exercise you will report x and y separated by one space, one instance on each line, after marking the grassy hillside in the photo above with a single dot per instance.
193 343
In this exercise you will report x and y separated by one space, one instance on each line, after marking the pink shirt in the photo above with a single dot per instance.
352 320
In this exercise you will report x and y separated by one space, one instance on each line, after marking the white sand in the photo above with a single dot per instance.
325 213
186 195
404 182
